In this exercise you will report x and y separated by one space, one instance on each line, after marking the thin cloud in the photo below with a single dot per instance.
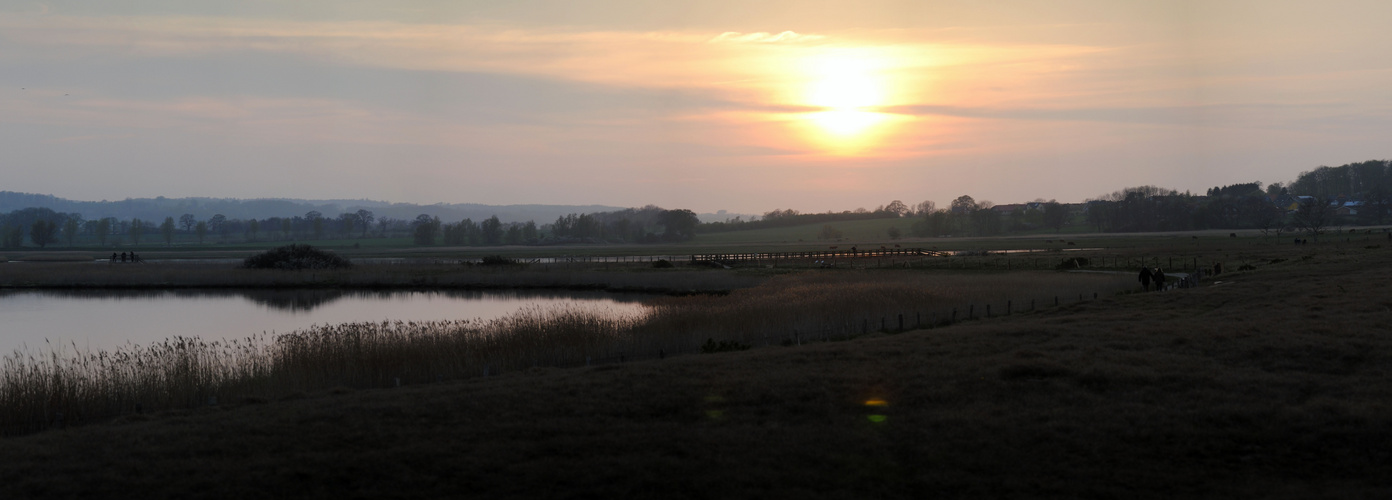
1164 115
764 37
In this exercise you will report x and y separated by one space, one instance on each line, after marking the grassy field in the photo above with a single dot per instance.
864 234
1268 383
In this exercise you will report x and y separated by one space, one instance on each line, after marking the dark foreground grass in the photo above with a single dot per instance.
1273 384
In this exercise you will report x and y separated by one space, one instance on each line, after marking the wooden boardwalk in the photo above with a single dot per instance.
835 254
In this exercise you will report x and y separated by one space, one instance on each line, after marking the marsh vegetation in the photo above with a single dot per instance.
1269 383
65 386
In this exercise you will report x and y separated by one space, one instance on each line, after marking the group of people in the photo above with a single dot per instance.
123 257
1156 275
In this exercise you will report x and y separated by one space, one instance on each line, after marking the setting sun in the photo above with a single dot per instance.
846 84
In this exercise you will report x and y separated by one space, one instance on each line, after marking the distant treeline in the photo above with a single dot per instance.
790 217
43 227
1356 193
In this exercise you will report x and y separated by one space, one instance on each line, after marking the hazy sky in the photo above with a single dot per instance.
742 105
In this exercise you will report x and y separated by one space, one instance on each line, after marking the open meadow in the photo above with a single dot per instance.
1269 382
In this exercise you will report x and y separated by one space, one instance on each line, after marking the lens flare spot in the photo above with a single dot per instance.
879 419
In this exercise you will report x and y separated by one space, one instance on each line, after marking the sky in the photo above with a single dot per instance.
740 105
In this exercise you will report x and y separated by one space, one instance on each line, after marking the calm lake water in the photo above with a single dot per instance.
105 320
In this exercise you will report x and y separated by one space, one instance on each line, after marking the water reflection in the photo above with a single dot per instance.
105 319
297 300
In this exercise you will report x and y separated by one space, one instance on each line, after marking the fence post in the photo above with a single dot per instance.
1008 307
901 322
954 315
971 311
1031 304
1056 301
988 309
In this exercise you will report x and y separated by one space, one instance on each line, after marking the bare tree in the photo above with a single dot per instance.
70 228
187 221
925 207
964 205
167 230
103 230
1268 220
1314 215
137 229
897 207
43 232
365 218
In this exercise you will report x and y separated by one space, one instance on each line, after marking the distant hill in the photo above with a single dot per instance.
203 208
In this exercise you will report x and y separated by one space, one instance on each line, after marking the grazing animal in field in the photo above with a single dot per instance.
1194 237
1070 243
833 248
1232 235
896 245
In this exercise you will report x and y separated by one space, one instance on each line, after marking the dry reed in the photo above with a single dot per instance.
57 388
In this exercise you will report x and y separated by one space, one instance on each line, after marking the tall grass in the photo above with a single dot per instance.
819 306
56 387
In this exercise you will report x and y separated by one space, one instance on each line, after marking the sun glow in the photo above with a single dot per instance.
847 85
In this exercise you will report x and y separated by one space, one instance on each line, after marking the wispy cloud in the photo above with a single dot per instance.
764 37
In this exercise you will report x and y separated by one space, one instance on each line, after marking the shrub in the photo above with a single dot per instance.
497 260
296 257
711 346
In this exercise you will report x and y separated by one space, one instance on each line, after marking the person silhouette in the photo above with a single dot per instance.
1145 279
113 257
1159 277
123 256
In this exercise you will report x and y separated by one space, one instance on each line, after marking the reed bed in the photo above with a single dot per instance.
830 306
57 388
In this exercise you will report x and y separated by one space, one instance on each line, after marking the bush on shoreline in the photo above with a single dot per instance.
296 257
